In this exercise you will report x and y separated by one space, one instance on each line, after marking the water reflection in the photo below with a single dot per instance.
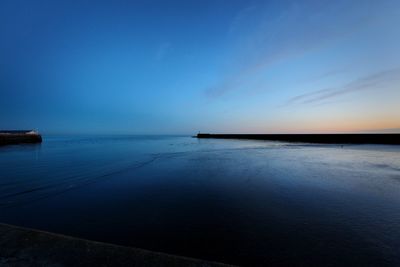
241 202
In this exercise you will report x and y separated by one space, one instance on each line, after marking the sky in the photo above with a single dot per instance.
179 67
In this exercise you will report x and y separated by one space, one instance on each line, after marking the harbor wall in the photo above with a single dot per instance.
388 139
19 137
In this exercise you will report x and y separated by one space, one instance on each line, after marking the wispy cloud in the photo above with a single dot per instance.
296 30
374 81
162 50
326 74
237 22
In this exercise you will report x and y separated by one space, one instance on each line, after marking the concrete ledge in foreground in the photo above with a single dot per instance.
387 139
26 247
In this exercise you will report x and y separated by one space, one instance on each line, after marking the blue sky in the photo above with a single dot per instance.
177 67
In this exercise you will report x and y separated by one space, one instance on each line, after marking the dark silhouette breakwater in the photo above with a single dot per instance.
19 137
387 139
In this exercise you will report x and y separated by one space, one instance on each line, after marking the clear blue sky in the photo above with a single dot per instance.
177 67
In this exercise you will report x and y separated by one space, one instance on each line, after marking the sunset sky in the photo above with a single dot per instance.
179 67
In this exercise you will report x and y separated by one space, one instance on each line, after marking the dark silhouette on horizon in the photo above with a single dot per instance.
387 139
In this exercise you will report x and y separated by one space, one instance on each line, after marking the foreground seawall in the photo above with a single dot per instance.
387 139
19 137
26 247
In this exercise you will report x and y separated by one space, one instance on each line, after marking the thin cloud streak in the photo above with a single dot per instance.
162 51
374 81
284 38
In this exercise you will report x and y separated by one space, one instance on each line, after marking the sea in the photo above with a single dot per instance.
242 202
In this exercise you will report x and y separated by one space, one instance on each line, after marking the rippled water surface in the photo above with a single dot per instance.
236 201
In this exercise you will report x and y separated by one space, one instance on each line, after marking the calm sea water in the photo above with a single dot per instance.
235 201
